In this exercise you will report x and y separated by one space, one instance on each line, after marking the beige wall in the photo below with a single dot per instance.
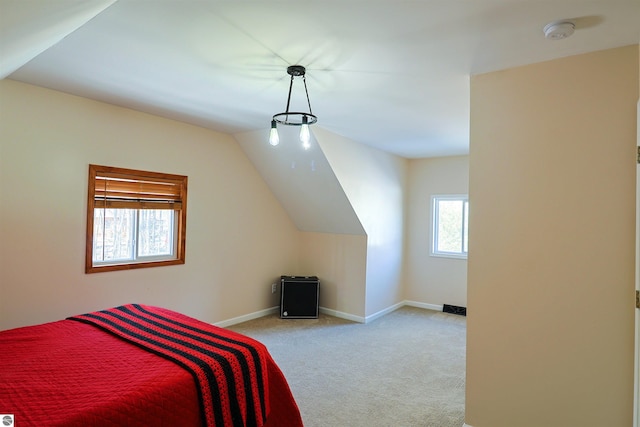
375 184
333 243
551 261
433 280
339 260
637 350
239 239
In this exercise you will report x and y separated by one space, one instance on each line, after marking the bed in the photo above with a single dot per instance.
138 365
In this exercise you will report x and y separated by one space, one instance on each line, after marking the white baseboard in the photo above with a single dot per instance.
334 313
381 313
466 425
342 315
435 307
247 317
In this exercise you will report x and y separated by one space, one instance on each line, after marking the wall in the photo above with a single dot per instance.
375 184
333 244
551 261
302 181
636 413
433 280
339 260
239 239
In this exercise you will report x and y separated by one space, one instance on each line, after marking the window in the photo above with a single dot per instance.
135 219
450 226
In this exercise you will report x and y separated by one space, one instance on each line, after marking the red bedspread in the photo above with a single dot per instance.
69 373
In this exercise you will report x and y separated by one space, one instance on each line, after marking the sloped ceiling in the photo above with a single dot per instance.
303 182
27 28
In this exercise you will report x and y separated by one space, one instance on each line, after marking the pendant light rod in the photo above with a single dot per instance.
304 80
289 97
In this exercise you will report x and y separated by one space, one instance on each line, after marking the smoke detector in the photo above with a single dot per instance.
559 30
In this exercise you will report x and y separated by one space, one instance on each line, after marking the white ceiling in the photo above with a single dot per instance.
391 74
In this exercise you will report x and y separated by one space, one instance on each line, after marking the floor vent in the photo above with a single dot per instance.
454 309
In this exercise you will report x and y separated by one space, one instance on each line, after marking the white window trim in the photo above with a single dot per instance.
141 259
434 226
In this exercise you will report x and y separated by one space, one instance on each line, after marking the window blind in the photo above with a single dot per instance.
118 189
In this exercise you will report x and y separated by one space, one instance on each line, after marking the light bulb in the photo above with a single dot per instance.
274 139
305 136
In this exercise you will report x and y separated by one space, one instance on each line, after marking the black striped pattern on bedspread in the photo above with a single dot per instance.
229 369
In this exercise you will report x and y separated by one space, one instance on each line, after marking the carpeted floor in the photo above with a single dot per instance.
404 369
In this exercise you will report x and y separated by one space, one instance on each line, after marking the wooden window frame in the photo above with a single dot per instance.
145 196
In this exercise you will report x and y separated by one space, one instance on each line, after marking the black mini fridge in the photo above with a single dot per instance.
299 297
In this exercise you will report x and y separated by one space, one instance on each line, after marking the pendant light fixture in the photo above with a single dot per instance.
294 118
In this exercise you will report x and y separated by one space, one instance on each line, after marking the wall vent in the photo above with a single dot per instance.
454 309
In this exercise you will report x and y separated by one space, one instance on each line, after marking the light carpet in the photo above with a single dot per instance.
404 369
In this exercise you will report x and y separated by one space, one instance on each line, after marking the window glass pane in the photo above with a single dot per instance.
155 232
450 226
113 234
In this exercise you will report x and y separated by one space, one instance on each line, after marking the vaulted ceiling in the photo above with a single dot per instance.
391 74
